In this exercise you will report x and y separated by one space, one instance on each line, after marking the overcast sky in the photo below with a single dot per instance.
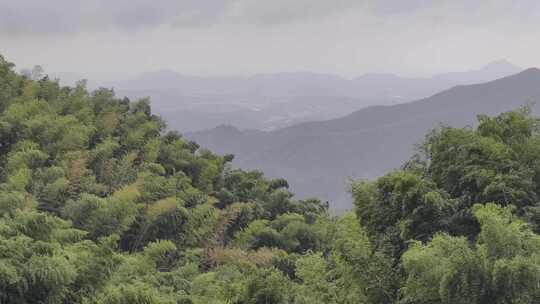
119 38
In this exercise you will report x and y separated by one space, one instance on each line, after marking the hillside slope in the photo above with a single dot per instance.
318 157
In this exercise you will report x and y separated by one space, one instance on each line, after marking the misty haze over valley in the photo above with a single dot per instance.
272 101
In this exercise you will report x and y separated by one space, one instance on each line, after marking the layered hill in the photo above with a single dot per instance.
272 101
319 157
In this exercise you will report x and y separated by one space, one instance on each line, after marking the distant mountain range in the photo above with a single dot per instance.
272 101
319 157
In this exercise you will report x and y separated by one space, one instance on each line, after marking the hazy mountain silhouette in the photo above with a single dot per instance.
318 157
271 101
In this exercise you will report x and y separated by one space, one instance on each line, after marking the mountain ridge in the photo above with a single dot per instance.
274 100
368 142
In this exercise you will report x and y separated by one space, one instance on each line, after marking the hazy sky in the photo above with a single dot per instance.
118 38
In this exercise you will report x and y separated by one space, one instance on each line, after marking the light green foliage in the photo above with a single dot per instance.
289 232
99 216
99 204
11 201
401 206
34 265
503 266
430 200
267 285
226 284
455 168
134 293
495 162
316 286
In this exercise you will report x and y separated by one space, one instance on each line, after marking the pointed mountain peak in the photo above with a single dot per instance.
530 72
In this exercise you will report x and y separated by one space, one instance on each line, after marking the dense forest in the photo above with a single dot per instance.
99 203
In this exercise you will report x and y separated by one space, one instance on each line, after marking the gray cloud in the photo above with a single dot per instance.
39 16
114 38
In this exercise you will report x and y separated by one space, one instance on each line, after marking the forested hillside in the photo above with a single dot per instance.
99 203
